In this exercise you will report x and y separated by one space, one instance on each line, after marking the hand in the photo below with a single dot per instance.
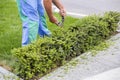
62 12
53 19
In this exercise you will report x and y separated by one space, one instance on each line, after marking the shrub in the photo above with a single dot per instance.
41 57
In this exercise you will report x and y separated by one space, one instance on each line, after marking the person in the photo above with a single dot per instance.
33 18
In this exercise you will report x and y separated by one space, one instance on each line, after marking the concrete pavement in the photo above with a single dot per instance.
113 74
6 75
88 7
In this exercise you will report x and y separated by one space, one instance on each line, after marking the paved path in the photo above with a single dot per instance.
113 74
87 7
6 75
81 8
87 66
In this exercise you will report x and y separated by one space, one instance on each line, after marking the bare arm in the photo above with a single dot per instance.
60 7
48 8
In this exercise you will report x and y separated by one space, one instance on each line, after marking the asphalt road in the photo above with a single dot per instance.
88 7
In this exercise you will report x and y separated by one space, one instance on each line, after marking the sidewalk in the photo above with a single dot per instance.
6 75
87 66
113 74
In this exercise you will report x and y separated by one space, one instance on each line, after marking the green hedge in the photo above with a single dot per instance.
43 56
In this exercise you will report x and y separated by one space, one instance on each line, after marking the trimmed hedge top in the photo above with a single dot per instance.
46 54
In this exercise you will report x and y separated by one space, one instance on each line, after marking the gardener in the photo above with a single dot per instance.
33 19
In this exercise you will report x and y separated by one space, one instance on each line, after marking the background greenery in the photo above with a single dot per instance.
11 30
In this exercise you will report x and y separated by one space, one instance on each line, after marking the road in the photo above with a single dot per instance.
87 7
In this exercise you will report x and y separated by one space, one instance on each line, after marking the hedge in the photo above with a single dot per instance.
46 54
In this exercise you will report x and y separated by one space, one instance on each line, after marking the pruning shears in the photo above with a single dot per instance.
61 23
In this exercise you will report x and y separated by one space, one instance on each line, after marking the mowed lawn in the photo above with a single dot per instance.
11 30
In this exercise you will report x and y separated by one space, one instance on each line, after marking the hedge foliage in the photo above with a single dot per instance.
43 56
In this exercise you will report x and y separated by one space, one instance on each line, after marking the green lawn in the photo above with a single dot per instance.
10 30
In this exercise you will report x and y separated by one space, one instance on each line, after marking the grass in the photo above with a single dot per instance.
11 31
